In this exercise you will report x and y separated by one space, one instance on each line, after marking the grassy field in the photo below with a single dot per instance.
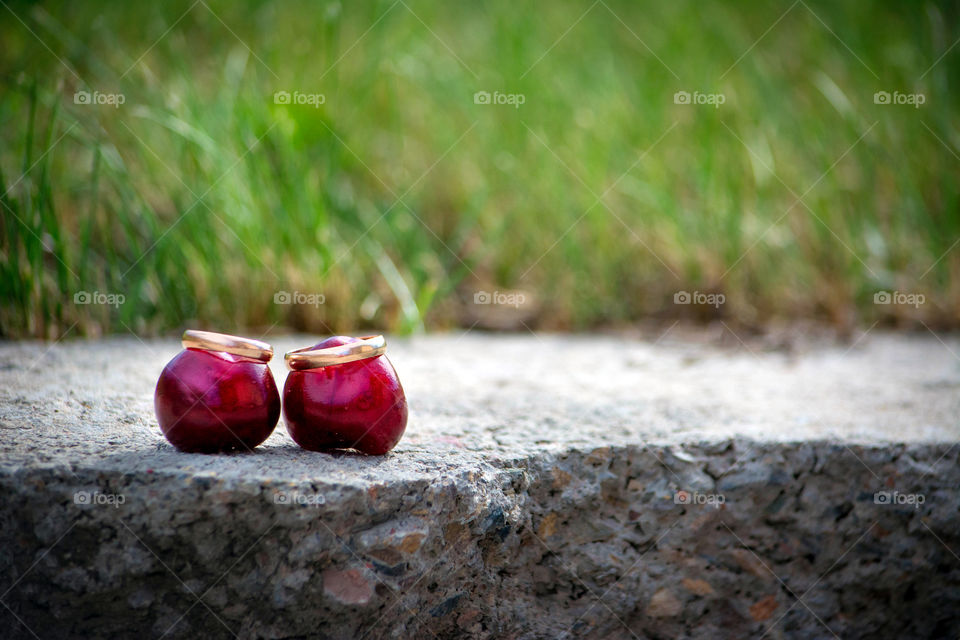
393 194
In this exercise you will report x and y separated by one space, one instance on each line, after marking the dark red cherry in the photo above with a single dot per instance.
209 401
355 405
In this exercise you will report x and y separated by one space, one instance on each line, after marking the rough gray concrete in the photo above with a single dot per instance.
547 487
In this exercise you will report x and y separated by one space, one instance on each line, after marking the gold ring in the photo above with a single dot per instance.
310 358
210 341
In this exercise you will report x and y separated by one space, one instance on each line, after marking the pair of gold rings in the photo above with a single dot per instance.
298 360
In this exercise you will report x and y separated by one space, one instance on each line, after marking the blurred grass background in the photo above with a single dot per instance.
199 198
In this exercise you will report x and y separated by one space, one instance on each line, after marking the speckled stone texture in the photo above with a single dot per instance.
547 486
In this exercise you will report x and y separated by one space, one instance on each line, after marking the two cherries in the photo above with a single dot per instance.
219 395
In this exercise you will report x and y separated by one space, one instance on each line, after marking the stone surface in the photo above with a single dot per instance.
547 486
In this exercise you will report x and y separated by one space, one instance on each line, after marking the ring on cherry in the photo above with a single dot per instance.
218 394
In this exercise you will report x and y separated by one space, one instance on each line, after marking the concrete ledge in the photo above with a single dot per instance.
546 486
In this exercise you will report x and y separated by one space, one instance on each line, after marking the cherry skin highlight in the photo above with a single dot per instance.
210 401
355 405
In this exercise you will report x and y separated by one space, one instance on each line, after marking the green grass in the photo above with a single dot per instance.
199 198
